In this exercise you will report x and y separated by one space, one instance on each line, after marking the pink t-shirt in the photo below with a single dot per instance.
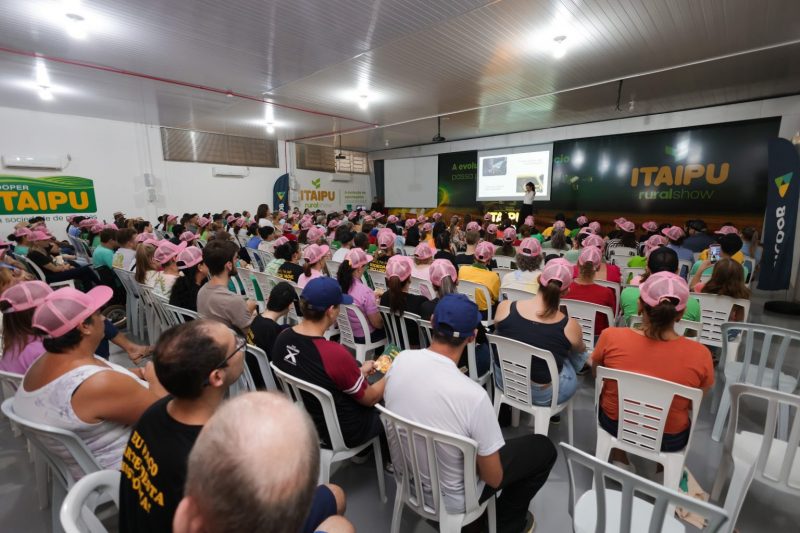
20 362
303 280
364 299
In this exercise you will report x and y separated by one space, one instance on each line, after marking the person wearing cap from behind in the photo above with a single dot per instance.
21 345
303 352
529 263
314 267
426 386
726 233
697 238
478 272
166 256
585 289
385 241
423 257
345 236
539 322
676 236
658 351
653 242
730 248
71 388
214 300
397 298
194 276
349 276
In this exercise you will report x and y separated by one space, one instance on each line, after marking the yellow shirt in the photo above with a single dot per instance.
484 277
738 256
547 232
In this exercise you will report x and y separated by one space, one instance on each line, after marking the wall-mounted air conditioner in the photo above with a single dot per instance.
341 177
230 172
36 162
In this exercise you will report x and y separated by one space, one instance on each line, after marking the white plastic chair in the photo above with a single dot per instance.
417 473
503 261
469 289
133 310
423 287
684 328
762 457
614 286
396 327
265 282
9 383
178 315
585 314
515 295
714 311
622 509
78 510
38 273
295 388
628 273
516 359
378 279
767 367
43 437
620 255
333 267
346 337
643 406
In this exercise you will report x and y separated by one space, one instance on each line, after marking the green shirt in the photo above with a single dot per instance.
572 256
710 270
103 256
629 301
638 262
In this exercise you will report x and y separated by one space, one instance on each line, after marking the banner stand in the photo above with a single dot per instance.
780 221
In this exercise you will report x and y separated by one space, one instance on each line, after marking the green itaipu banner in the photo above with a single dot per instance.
51 194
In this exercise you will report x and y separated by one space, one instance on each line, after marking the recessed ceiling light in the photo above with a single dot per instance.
559 48
45 93
75 23
270 128
43 81
363 101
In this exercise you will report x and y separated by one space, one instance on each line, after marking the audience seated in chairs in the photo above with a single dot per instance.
478 272
21 344
265 326
529 262
585 289
233 483
214 300
194 276
423 257
41 253
427 387
658 351
349 276
727 279
195 362
315 256
71 388
303 352
125 256
539 322
397 298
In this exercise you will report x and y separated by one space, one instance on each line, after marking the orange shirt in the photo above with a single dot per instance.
682 361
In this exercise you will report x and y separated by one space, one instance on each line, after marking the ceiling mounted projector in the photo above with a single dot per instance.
438 137
340 155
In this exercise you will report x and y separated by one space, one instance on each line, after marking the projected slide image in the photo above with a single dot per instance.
495 166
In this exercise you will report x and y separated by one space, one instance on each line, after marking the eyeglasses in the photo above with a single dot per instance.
240 342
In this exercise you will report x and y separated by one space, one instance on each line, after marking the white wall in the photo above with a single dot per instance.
116 155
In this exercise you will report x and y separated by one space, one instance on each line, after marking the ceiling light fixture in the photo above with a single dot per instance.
363 102
270 128
559 48
75 24
43 81
45 93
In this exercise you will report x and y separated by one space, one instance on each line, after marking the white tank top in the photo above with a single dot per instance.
52 405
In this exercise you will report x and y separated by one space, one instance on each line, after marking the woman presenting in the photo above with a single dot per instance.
527 201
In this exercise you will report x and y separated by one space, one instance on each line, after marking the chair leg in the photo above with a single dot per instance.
450 523
361 353
40 472
570 422
376 446
324 466
673 470
58 495
397 512
492 514
514 417
603 445
722 414
541 422
723 473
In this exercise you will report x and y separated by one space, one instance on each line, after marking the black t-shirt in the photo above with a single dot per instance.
39 258
265 331
154 470
412 236
464 259
442 254
184 292
290 271
414 303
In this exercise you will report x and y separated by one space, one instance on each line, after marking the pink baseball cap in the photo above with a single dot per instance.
653 242
385 239
172 217
315 252
203 222
581 220
427 227
357 258
590 253
423 251
556 270
650 226
619 220
352 215
530 247
111 226
441 268
39 236
188 236
674 233
436 216
663 286
85 223
487 216
279 241
96 228
559 224
230 218
411 222
306 224
627 226
727 230
585 230
314 234
484 251
422 219
189 257
473 226
594 240
595 226
141 237
529 220
167 251
509 234
392 219
65 309
22 232
25 295
70 218
492 228
333 223
241 221
399 266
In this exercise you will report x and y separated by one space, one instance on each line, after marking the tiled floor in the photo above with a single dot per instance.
764 510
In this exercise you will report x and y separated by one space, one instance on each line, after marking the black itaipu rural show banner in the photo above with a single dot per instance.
457 179
709 169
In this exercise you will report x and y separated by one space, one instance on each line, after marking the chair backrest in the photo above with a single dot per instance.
9 383
628 273
415 450
178 315
620 254
775 459
378 279
78 510
80 247
263 365
396 328
45 438
629 486
128 280
516 359
33 268
348 312
333 267
425 332
684 328
241 239
155 302
515 295
423 287
715 310
585 314
503 261
502 271
469 289
265 282
613 285
295 387
769 359
255 259
643 406
243 280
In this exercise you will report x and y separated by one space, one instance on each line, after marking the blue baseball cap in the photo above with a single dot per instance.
456 316
323 292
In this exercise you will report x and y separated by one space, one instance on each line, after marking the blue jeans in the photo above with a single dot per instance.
542 394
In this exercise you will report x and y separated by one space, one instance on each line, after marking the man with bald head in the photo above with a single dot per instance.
254 468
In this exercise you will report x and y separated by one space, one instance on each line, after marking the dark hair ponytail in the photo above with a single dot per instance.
345 276
587 270
660 319
551 295
397 297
